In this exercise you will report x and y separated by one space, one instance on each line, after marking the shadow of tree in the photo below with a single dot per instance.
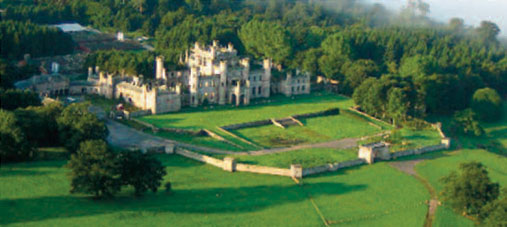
205 201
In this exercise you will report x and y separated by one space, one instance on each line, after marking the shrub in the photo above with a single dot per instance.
167 186
465 122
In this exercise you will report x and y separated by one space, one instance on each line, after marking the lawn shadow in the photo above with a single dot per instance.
194 201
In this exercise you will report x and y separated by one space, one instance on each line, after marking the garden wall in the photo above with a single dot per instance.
332 167
334 111
201 158
263 170
328 112
232 166
138 113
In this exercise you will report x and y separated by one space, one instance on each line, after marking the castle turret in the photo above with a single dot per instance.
266 78
245 62
159 70
223 83
194 86
90 72
247 93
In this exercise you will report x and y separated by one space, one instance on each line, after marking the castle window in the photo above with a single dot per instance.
298 81
206 84
260 91
253 91
303 88
297 88
292 88
255 78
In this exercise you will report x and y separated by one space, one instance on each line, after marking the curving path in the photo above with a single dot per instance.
124 136
408 167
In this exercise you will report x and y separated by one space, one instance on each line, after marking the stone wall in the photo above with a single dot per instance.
139 113
228 164
247 125
201 158
332 167
418 151
263 170
334 111
328 112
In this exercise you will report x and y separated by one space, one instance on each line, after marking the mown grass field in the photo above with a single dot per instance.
306 157
36 194
434 169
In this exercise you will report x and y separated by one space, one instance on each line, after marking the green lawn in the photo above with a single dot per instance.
278 107
411 139
315 130
198 140
306 157
36 194
434 169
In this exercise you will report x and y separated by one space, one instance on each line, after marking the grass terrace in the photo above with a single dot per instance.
277 107
317 129
306 157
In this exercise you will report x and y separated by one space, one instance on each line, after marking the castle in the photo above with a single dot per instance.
214 75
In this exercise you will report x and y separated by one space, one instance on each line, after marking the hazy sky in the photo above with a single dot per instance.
472 11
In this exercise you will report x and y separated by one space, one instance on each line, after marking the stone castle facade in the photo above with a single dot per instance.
215 75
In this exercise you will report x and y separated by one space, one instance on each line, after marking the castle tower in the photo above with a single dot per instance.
194 86
90 72
266 78
159 68
245 62
223 83
247 93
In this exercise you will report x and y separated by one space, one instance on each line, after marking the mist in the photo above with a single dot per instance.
471 11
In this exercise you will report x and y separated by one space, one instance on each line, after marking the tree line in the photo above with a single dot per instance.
23 37
95 167
30 126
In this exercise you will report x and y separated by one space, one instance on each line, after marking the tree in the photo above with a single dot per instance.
94 170
265 39
488 31
76 124
142 171
456 25
13 143
358 71
487 103
495 212
12 98
465 122
469 190
397 105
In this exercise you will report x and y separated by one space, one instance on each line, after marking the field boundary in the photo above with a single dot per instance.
297 171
